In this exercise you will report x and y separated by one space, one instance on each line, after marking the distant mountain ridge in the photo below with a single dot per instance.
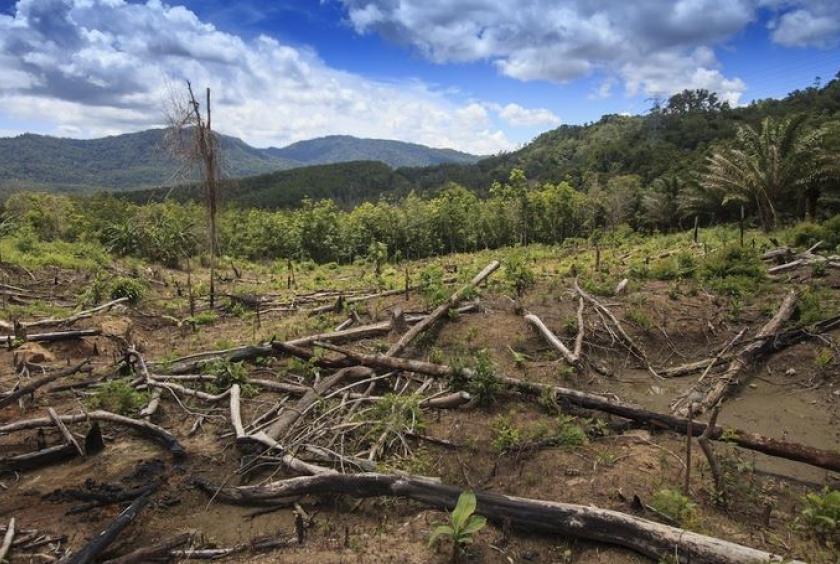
138 160
344 148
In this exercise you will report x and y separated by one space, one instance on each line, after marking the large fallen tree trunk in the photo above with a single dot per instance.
783 449
649 538
699 398
43 381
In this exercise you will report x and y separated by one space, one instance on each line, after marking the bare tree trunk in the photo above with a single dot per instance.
649 538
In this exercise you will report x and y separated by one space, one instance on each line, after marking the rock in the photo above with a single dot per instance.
116 327
32 353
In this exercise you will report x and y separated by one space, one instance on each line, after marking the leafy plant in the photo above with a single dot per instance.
119 397
480 380
124 287
673 504
821 513
517 273
506 436
462 526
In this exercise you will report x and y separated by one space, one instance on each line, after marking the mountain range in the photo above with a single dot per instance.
139 160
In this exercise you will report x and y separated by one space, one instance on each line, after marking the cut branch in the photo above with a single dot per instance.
730 379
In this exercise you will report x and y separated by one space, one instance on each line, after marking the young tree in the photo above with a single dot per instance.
190 139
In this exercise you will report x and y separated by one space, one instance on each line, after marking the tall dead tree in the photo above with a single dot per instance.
191 140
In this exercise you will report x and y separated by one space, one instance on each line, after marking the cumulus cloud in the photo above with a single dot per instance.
517 116
96 67
567 39
655 46
812 23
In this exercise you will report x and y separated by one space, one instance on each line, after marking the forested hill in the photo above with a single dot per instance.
344 148
673 138
138 160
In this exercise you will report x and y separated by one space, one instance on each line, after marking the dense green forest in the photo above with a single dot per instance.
672 140
691 159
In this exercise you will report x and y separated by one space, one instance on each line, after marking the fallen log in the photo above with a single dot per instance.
648 538
729 380
827 459
150 553
66 321
100 542
54 336
55 454
150 430
43 381
441 310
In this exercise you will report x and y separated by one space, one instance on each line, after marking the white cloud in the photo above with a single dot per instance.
561 40
94 67
516 115
812 23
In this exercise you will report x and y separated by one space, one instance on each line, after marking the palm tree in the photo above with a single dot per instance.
764 166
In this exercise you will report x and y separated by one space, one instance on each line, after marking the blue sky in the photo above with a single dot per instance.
477 75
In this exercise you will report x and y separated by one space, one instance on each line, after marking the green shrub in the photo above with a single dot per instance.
124 287
732 260
569 433
227 374
204 318
431 285
640 318
673 504
118 396
396 414
479 380
517 273
821 513
506 437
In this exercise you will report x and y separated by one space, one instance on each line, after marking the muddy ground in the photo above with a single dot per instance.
790 395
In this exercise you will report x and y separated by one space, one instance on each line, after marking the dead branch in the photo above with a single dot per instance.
649 538
729 380
145 428
783 449
65 432
441 310
154 552
100 542
64 320
54 336
35 384
572 357
628 341
7 539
